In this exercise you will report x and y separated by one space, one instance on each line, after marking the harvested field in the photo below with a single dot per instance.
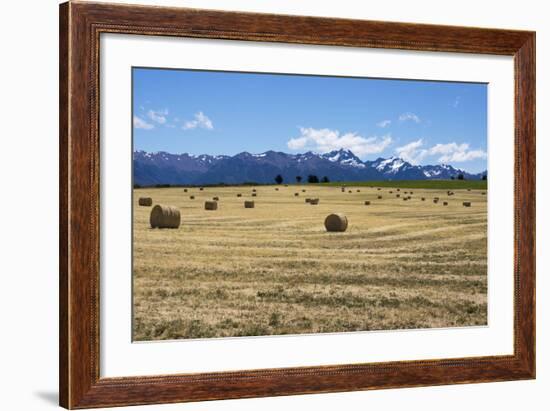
274 269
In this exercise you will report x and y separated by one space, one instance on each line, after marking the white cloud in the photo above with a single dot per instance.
158 116
384 123
414 152
325 140
453 152
201 120
409 116
140 123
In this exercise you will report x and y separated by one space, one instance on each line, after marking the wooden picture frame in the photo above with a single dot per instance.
80 27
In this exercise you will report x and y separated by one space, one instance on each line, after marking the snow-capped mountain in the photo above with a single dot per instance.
338 165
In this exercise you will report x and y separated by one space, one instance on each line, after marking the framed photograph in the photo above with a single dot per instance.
258 205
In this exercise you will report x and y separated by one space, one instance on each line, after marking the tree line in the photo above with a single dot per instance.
311 178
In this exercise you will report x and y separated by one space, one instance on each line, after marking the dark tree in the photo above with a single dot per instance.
484 178
298 179
312 178
279 179
325 180
452 177
460 176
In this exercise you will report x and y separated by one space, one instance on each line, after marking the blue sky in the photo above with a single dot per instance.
207 112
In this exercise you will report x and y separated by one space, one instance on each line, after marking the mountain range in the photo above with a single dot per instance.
339 165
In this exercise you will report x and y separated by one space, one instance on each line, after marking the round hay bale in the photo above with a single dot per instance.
145 201
216 198
466 203
336 222
445 203
483 193
379 189
398 189
239 195
296 194
423 199
380 197
350 191
276 188
405 198
367 202
358 191
411 192
201 188
391 192
254 194
308 200
436 200
210 205
303 190
253 190
163 216
404 192
469 189
249 204
314 201
185 190
398 195
192 197
409 197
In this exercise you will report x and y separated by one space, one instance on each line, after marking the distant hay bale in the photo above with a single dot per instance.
249 204
391 192
358 191
253 190
314 201
276 188
303 190
409 197
398 195
336 222
398 189
404 192
466 203
254 194
483 193
163 216
436 200
405 198
201 188
239 195
210 205
308 200
411 192
185 190
367 202
145 201
191 197
216 198
469 189
423 199
445 203
380 197
379 189
296 194
350 191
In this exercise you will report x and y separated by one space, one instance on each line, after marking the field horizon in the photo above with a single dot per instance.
275 270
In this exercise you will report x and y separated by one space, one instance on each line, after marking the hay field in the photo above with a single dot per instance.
274 269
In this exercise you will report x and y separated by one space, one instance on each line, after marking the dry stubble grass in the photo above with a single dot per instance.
274 269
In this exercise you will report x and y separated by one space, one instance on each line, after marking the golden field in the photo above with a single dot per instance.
274 269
